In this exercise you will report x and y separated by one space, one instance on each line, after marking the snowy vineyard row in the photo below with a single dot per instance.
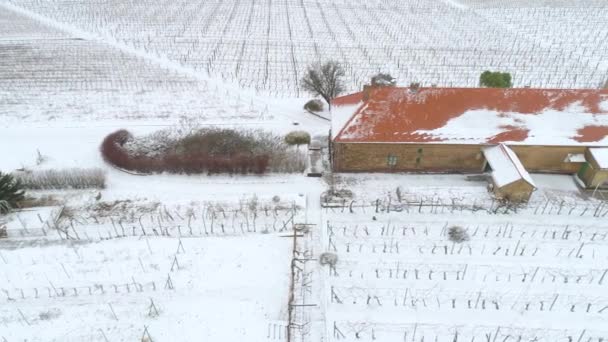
420 332
401 272
435 231
267 45
457 206
440 301
208 221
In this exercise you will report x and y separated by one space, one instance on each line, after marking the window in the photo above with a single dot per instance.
391 160
575 158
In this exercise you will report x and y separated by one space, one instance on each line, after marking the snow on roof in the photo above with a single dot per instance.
506 167
604 103
342 110
476 116
601 156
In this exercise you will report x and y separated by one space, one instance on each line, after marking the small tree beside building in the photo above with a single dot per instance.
324 80
297 138
495 79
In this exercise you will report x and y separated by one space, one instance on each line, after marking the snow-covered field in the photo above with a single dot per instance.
212 258
539 274
211 253
266 45
191 289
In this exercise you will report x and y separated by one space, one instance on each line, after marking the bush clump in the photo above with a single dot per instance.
208 150
383 80
327 258
314 106
62 179
458 234
11 192
495 79
297 138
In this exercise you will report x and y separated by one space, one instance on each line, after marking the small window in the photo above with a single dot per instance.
391 160
419 151
575 158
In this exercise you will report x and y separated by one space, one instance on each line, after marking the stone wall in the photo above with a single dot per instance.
428 157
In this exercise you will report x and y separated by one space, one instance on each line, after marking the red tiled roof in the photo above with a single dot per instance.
348 99
478 115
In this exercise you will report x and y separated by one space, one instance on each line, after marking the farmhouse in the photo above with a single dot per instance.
446 129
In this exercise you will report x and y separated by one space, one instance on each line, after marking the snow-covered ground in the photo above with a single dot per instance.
193 289
209 258
266 45
537 274
211 252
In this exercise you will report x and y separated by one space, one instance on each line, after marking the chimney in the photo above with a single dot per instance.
414 87
367 89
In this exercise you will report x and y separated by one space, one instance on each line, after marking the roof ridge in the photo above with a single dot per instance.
505 149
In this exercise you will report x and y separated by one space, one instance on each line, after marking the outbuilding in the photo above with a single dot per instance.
509 179
594 171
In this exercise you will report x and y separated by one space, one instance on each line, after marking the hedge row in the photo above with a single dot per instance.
190 163
62 179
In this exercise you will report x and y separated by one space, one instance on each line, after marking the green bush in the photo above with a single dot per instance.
495 79
314 106
11 192
297 138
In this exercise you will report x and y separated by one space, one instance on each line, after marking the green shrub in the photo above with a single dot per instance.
314 106
11 192
297 138
495 79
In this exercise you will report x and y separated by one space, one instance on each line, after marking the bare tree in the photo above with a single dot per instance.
325 80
